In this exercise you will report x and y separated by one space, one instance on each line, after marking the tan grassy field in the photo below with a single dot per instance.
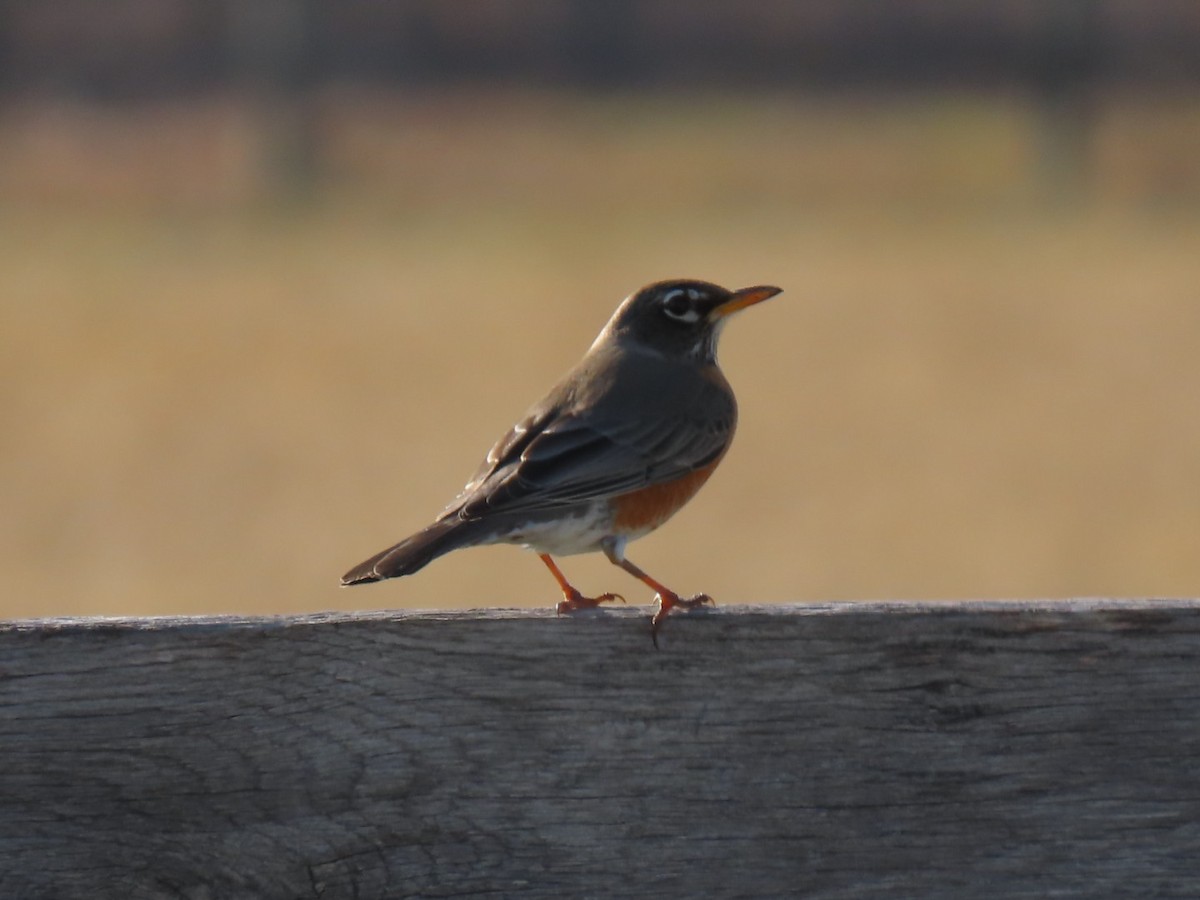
212 403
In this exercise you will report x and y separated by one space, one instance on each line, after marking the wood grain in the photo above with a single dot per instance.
856 750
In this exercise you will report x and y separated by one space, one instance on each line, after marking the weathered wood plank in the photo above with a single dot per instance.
856 750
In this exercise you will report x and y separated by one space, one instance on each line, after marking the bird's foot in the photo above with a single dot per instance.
573 601
667 601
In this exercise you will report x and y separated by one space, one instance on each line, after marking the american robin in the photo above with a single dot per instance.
615 449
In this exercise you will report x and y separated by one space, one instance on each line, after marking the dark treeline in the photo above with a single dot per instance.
124 49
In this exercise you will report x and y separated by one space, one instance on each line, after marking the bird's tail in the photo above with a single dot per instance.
412 553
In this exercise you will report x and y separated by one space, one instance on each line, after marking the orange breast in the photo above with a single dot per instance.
645 509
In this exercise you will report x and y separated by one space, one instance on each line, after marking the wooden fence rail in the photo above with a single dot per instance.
1047 749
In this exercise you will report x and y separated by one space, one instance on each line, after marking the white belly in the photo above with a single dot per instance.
565 537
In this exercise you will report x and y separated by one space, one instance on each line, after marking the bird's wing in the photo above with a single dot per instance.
561 454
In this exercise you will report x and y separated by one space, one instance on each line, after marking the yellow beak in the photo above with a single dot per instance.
743 298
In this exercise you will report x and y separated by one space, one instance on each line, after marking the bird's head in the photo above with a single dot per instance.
680 318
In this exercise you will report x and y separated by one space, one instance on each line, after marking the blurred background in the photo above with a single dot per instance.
275 274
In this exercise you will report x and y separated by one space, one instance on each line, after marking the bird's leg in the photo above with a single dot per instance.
667 598
572 599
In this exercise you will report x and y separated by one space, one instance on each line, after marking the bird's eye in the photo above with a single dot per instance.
678 306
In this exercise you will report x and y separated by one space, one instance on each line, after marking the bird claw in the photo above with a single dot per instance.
696 601
576 601
668 602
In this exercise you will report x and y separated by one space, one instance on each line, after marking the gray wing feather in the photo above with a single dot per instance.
557 456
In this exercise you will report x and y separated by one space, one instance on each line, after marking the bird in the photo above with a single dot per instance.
614 450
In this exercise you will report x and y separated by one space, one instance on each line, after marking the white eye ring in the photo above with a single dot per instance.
687 313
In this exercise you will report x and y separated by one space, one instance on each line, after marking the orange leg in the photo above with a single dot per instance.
572 599
667 598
